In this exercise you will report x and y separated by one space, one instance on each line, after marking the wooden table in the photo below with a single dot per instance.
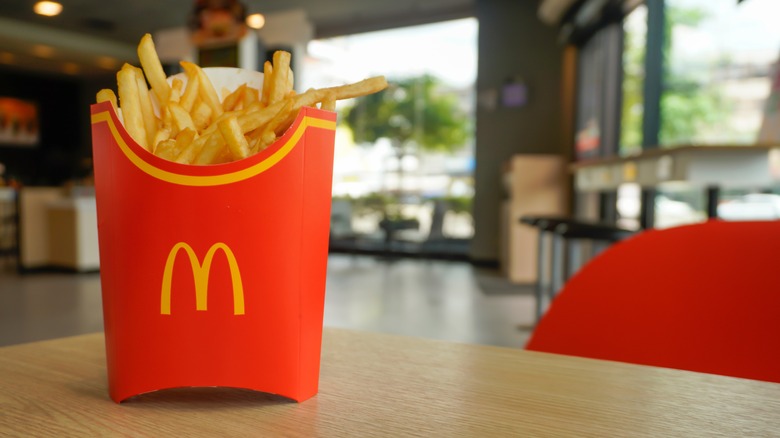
384 385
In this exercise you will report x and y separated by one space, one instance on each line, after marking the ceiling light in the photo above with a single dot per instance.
42 51
255 21
48 9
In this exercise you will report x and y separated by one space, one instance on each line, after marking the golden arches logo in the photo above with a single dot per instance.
200 273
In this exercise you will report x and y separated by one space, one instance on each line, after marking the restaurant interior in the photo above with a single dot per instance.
538 175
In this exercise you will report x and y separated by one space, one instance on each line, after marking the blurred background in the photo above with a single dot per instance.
630 113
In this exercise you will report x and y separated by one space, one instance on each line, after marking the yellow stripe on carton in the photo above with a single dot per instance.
212 180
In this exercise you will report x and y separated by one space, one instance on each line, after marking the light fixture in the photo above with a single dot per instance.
47 8
255 21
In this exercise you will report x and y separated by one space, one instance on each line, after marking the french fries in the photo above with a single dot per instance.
152 66
187 122
233 136
132 115
107 95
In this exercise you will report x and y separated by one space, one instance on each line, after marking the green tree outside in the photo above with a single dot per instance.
688 105
412 113
415 114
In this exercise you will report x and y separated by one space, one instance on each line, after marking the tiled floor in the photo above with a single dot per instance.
434 299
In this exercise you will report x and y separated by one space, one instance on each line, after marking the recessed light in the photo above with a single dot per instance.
47 8
255 21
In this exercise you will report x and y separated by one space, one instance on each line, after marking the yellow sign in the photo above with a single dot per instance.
629 172
200 273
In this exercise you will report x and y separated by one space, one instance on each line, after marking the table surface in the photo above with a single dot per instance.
384 385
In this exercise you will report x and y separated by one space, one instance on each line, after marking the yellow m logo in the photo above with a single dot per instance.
200 273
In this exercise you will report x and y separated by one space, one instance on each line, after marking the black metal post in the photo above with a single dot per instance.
647 208
713 197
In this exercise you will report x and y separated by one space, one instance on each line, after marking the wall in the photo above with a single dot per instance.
63 105
513 42
88 88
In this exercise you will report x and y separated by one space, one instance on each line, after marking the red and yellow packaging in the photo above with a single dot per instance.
214 275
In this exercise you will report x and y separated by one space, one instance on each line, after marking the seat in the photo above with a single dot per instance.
561 232
701 297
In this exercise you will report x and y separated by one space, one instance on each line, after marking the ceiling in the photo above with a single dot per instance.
93 36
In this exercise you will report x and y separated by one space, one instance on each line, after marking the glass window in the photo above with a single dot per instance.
634 45
718 56
403 183
598 91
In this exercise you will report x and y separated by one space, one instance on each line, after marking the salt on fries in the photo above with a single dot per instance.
194 126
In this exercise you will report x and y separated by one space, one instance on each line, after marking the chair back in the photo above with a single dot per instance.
703 297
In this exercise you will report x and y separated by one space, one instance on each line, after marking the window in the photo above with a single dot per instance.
632 112
718 56
409 187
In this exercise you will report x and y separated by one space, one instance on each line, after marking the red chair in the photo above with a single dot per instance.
702 297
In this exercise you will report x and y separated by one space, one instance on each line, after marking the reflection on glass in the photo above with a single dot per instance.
718 56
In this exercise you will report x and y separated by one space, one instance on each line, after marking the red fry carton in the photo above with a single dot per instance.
214 275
